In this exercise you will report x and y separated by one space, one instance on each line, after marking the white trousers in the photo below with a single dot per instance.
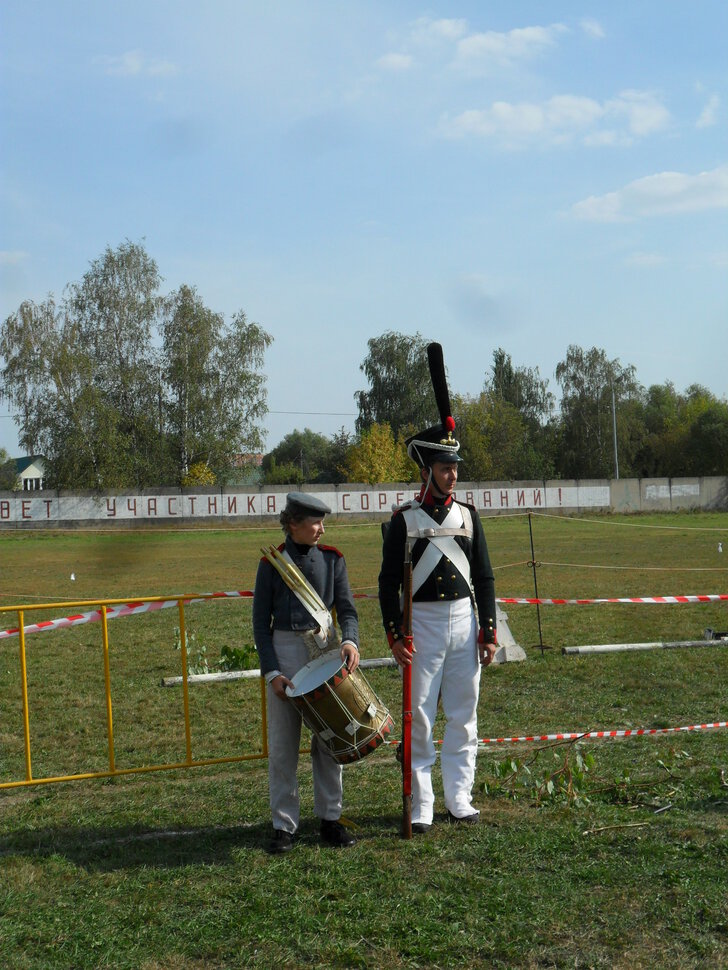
445 664
284 741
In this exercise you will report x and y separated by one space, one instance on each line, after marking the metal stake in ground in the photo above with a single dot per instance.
533 564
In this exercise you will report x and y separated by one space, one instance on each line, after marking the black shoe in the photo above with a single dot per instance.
466 819
421 827
281 842
334 833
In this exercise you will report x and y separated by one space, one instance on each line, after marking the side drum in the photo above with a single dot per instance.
340 708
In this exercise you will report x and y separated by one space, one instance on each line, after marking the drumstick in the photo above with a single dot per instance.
297 582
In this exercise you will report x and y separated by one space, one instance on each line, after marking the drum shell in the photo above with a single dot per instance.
340 707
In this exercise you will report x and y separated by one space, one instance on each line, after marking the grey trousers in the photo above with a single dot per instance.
284 741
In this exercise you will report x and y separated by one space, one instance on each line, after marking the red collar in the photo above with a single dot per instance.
430 499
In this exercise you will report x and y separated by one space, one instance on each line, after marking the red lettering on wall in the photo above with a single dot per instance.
469 498
251 504
400 498
382 500
4 509
169 505
111 507
212 506
271 503
487 500
131 505
520 497
232 505
48 503
344 503
504 499
192 500
536 496
25 509
152 507
364 502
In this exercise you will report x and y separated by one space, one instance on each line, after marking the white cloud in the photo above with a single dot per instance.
667 193
592 28
561 118
492 47
557 115
709 114
646 259
135 64
12 257
396 62
426 30
642 110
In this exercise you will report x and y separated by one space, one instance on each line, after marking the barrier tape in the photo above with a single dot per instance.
596 735
146 606
125 609
707 598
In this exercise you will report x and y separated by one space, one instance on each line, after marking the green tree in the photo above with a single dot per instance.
214 393
495 441
588 379
305 450
106 405
8 472
520 386
380 457
400 389
114 311
48 377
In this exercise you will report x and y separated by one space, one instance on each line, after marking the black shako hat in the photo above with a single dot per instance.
299 503
436 443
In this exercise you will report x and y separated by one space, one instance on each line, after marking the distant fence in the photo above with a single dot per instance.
241 506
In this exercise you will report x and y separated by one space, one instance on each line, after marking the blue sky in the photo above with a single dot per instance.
517 175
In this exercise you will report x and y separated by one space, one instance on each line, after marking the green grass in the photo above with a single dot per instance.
169 870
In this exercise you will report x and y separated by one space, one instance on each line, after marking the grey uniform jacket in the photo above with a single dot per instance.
275 607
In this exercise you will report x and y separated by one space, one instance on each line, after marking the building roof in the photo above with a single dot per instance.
22 463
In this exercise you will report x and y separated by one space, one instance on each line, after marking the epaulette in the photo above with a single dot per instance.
331 549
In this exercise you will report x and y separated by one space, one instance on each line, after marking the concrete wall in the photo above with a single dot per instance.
249 505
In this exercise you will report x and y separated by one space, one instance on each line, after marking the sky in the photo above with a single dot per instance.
522 175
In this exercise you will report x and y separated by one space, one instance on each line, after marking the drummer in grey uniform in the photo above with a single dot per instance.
279 621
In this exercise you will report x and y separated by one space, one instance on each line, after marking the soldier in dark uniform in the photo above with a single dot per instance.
279 620
451 575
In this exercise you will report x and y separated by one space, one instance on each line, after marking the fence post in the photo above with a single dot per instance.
533 564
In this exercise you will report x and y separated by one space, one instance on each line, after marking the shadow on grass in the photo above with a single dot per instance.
111 849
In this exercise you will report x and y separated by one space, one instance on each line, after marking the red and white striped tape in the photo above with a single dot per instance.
706 598
123 609
595 735
146 606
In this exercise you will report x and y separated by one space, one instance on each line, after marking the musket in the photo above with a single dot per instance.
407 696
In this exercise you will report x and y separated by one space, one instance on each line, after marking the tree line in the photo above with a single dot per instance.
117 386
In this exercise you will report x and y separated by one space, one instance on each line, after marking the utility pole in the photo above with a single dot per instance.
614 433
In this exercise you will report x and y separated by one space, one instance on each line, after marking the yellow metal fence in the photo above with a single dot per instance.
113 770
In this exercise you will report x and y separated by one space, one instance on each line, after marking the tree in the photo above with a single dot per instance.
114 310
400 392
588 379
8 472
214 392
495 441
106 405
305 450
380 457
522 387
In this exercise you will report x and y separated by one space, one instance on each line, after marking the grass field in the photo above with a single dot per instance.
596 854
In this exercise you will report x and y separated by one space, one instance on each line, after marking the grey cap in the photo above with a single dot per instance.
300 503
